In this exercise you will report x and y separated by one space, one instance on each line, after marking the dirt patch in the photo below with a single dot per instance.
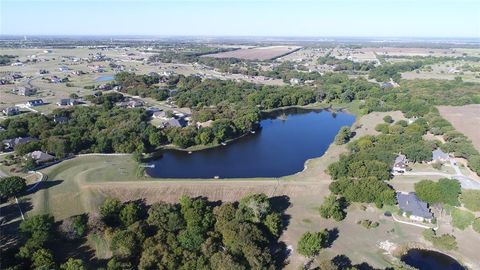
465 119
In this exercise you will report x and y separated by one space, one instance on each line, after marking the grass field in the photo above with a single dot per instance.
257 53
465 119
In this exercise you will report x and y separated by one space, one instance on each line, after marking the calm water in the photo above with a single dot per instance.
430 260
280 148
104 78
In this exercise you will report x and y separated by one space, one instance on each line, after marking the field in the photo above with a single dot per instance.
257 53
446 71
465 119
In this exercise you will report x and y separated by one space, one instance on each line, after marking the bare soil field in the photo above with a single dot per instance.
465 119
257 53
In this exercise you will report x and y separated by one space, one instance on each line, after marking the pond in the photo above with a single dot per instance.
284 142
430 260
104 78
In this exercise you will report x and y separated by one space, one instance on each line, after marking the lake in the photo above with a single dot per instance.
430 260
279 148
104 78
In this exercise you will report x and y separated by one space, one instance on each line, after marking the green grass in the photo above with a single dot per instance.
471 199
462 219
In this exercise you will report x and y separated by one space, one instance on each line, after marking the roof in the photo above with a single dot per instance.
401 158
19 140
410 203
439 154
40 156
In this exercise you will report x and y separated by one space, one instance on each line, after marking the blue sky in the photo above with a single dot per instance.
387 18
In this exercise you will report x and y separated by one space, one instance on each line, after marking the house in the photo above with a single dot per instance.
9 111
55 79
67 102
204 124
11 143
439 156
294 81
40 157
25 91
34 102
159 114
60 119
64 68
413 208
172 122
43 71
134 103
400 164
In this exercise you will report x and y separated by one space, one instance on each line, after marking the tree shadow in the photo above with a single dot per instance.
42 185
342 262
11 211
332 236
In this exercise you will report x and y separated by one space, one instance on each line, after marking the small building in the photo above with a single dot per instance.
413 208
9 111
135 103
400 164
40 157
204 124
34 102
25 91
11 143
64 68
67 102
439 156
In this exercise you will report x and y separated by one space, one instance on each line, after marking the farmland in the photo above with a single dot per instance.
257 53
465 119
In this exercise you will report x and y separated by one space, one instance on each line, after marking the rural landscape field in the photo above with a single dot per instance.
239 135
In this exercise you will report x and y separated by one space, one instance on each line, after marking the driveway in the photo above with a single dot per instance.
466 182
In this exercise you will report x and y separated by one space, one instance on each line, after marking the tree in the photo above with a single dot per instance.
130 213
255 207
74 227
444 191
311 243
388 119
165 216
273 222
37 229
73 264
333 208
43 259
124 244
12 186
344 135
110 211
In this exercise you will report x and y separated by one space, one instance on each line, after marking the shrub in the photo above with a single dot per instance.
333 208
388 119
445 241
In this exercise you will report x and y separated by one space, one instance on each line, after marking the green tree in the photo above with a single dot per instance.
444 191
388 119
12 186
73 264
130 213
311 243
43 259
273 222
344 135
333 208
110 211
124 244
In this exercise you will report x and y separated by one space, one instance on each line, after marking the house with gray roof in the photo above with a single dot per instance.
439 156
9 111
413 208
40 157
11 143
400 164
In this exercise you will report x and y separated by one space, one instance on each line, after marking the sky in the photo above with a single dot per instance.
321 18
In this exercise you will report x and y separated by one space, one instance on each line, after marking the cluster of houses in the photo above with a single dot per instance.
39 157
131 103
24 91
174 119
9 77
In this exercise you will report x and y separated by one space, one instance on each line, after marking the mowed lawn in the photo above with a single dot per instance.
66 192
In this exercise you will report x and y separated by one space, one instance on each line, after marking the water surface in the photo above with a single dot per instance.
279 148
430 260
